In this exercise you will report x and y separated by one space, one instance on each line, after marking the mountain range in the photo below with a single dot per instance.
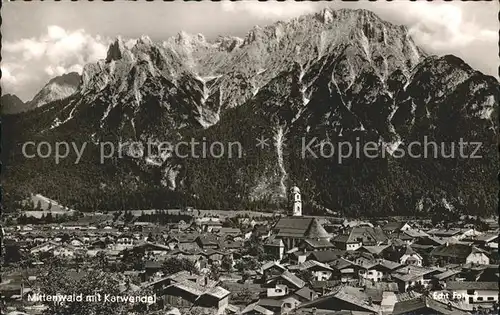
57 88
336 75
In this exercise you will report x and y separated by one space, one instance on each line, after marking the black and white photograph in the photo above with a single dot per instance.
249 157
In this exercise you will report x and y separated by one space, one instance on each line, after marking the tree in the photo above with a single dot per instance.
418 287
255 247
306 275
247 263
49 207
100 261
60 281
38 205
65 238
227 262
128 217
151 238
48 218
214 272
174 265
12 254
243 297
133 259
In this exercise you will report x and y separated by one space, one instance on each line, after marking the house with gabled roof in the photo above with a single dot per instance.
183 241
376 251
326 256
185 289
474 272
344 270
459 254
45 247
154 248
255 309
275 247
315 245
361 236
320 271
344 298
376 270
484 241
286 278
404 255
475 292
208 241
396 227
410 276
425 305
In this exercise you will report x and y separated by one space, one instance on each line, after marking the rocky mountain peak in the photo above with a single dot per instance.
145 40
332 75
326 15
116 50
228 43
57 88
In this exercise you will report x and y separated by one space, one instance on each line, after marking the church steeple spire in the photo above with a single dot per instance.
295 202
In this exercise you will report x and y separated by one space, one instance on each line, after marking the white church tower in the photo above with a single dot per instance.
295 202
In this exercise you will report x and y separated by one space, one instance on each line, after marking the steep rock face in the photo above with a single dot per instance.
57 88
335 76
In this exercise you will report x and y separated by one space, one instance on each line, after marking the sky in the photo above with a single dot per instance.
41 40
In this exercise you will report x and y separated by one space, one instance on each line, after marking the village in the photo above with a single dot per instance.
206 263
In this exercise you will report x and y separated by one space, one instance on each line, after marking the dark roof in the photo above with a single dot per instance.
318 243
232 245
347 294
270 303
292 279
391 265
292 226
229 231
300 227
183 237
367 235
152 265
411 272
446 274
343 238
471 285
305 293
423 302
393 226
455 250
445 233
341 263
374 249
326 256
375 294
316 231
208 239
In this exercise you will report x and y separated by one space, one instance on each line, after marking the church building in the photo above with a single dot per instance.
295 228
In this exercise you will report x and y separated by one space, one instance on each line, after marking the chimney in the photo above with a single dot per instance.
206 280
311 295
